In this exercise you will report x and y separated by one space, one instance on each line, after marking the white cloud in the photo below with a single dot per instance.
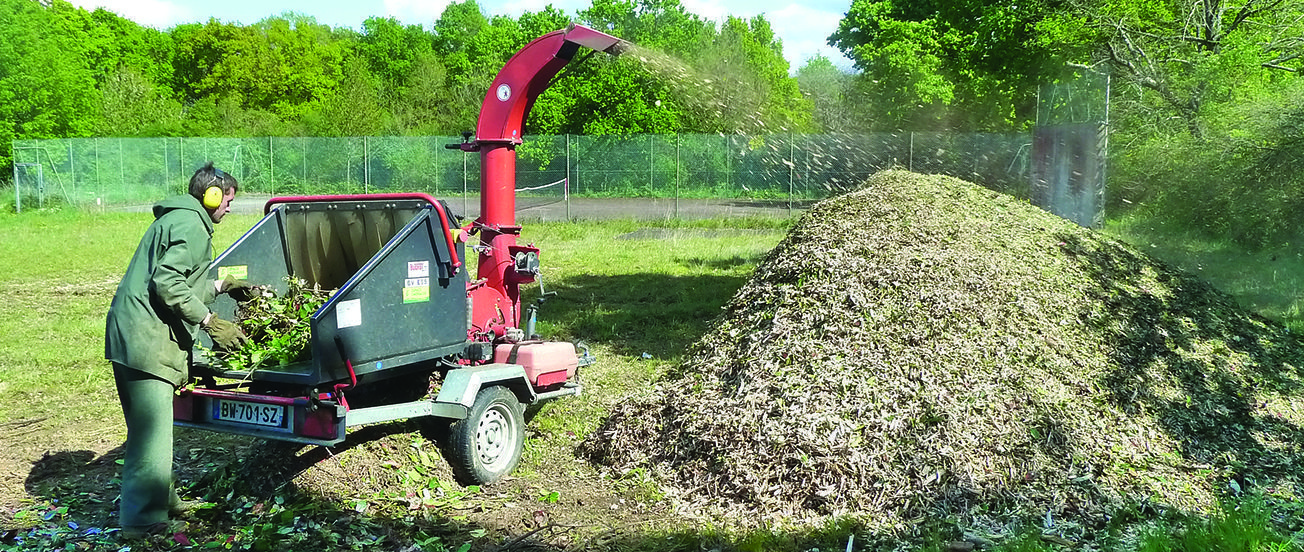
803 29
805 32
416 11
712 10
159 14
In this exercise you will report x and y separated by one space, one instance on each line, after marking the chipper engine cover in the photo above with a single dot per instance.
547 364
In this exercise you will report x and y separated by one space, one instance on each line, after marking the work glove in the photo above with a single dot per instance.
240 290
226 335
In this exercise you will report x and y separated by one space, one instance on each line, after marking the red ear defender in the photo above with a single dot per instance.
213 197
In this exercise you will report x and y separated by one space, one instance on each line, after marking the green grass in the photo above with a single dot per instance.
1269 282
61 269
638 292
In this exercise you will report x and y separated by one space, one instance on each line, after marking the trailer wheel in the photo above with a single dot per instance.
487 445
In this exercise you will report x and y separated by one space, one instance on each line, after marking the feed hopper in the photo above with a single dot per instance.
401 301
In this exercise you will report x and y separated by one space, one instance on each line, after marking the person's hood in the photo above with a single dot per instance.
187 203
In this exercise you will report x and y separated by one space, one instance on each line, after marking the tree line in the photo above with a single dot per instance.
1205 101
69 72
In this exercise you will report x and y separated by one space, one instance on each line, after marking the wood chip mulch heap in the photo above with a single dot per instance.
925 347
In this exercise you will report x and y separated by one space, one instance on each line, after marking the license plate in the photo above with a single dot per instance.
248 413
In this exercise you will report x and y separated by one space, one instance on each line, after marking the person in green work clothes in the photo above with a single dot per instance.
153 321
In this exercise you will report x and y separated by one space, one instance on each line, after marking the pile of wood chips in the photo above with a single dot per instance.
926 348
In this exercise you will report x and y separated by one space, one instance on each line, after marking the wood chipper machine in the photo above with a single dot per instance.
405 308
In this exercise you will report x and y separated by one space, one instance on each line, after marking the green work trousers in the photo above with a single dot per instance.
147 491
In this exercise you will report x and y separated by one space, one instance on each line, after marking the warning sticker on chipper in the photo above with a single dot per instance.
239 272
348 313
416 290
418 269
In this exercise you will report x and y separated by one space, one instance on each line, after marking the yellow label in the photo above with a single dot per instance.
416 294
239 272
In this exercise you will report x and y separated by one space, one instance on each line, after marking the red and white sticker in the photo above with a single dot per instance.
418 269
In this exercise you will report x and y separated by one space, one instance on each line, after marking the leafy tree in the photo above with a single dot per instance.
683 75
457 37
46 89
663 26
425 105
752 74
115 42
392 50
310 58
536 24
1239 181
278 65
836 105
649 89
455 33
1188 53
353 109
972 64
131 105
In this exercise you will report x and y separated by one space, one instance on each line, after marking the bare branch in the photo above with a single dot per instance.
1084 66
1279 67
1248 11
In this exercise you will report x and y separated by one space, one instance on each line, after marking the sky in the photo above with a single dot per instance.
803 26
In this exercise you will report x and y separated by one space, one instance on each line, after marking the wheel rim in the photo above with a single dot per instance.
495 437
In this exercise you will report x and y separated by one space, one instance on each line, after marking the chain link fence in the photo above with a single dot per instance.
110 173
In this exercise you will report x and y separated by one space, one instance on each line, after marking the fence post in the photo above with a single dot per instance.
271 167
728 156
72 168
568 175
464 191
678 169
366 166
792 164
18 187
910 159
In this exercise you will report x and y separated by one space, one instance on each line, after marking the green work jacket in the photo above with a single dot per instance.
155 315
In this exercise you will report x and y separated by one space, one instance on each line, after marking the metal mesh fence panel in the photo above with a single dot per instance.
998 161
111 172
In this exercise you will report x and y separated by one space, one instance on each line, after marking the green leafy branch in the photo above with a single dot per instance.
279 329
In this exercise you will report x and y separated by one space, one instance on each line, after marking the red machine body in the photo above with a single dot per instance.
504 265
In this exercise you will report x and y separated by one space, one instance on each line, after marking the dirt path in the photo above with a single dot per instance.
46 468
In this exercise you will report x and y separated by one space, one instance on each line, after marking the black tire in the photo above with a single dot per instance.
487 445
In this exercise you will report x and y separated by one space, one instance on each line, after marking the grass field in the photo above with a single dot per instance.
1269 282
638 292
